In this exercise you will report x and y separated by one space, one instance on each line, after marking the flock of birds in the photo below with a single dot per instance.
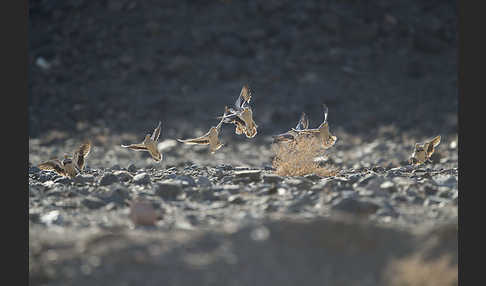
241 116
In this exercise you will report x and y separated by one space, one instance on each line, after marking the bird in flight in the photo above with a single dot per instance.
149 144
423 152
69 166
241 114
328 140
291 134
210 138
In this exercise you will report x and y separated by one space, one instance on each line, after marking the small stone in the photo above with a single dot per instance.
52 217
141 179
247 175
132 168
301 183
186 180
143 213
42 63
203 181
108 179
168 190
123 176
92 203
63 180
272 179
84 179
236 199
388 186
313 177
117 195
115 167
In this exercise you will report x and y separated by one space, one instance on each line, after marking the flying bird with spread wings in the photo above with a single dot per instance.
293 132
149 144
210 138
327 139
69 166
241 115
423 152
325 136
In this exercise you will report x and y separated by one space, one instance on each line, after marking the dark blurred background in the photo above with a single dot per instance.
120 66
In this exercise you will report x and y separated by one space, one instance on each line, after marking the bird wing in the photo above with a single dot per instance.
81 154
136 147
156 133
326 111
199 140
52 165
435 141
303 122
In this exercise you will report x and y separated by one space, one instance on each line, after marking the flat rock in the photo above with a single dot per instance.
93 203
301 183
247 175
141 179
84 179
272 178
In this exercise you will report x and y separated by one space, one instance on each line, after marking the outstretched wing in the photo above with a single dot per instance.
303 122
326 110
156 133
435 141
199 140
136 147
81 154
244 98
52 165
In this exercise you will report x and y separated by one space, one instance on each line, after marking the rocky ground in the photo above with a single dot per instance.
110 70
232 206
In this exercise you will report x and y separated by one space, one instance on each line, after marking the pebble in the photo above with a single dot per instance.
52 217
236 199
203 181
168 190
63 180
132 168
123 176
108 179
272 178
83 179
247 176
301 183
93 203
141 179
143 213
